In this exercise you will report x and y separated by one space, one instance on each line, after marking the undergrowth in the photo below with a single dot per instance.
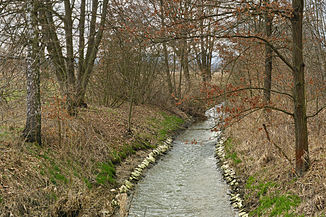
78 173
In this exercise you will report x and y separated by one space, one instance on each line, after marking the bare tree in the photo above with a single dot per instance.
73 80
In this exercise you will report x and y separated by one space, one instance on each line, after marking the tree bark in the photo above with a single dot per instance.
268 56
300 119
165 51
186 65
32 131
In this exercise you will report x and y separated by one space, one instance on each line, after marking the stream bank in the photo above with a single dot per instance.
76 170
186 182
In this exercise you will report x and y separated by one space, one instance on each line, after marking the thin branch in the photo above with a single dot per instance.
320 110
240 36
280 110
247 88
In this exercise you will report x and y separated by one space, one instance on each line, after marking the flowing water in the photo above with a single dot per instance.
186 182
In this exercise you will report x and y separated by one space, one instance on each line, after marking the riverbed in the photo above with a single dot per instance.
185 182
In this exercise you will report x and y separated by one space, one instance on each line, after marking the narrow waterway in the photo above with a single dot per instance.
186 182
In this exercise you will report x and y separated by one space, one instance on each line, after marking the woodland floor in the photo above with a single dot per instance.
270 187
78 167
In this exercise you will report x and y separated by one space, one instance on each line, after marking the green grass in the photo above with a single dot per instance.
48 166
271 203
88 183
261 188
9 133
229 154
106 174
277 205
115 157
167 125
126 150
56 175
52 196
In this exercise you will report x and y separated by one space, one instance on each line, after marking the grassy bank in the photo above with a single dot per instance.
269 185
80 161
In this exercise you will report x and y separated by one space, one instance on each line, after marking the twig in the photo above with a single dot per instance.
278 147
320 110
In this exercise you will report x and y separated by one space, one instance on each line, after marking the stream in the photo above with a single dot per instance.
185 182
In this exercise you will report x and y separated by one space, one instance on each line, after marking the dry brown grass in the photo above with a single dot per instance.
263 161
59 178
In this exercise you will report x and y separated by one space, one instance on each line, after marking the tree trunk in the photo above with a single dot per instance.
165 51
73 87
300 119
32 131
186 66
268 57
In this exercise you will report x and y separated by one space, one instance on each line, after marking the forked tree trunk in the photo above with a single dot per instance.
300 120
73 85
32 131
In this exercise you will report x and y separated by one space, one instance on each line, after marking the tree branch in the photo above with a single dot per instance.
320 110
247 88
